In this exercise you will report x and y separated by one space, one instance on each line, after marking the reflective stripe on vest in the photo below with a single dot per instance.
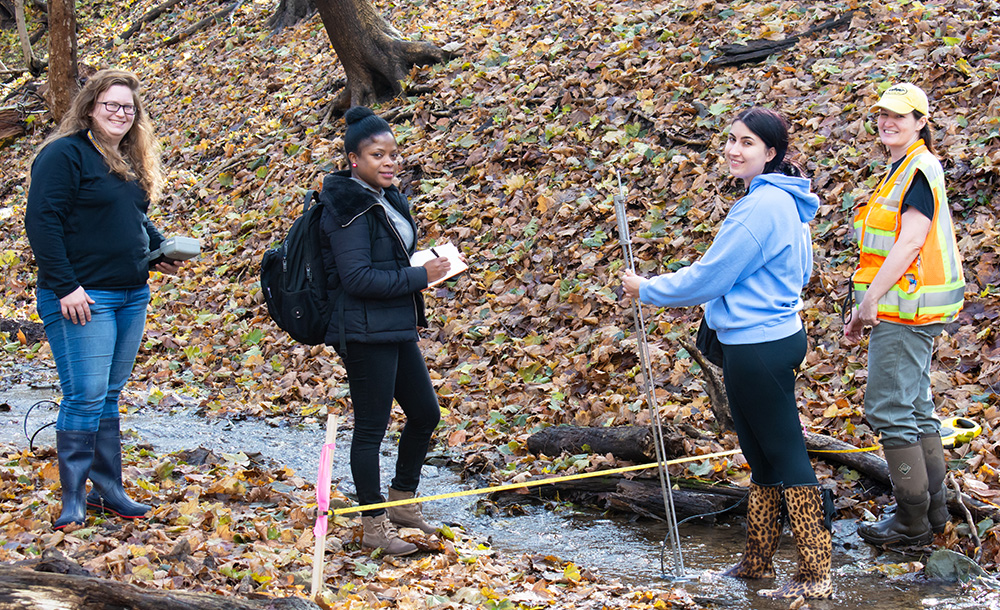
932 289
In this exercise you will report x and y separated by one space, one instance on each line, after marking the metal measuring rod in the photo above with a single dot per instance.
642 346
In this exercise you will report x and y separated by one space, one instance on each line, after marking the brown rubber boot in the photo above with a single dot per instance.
937 470
380 533
909 524
763 533
814 543
408 515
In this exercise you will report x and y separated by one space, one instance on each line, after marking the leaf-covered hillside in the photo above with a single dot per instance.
511 151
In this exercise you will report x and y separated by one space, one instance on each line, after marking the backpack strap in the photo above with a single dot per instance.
311 198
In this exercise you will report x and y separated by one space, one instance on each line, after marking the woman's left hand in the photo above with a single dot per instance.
170 268
631 283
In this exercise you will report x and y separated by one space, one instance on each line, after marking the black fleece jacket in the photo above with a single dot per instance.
367 262
86 226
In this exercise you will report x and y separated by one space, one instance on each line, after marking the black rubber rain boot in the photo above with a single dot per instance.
108 494
937 470
909 524
75 450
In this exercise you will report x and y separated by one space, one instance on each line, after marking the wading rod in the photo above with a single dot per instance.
642 346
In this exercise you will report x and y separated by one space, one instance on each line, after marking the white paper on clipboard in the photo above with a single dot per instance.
447 250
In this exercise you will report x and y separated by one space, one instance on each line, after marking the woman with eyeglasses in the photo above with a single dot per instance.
91 185
908 285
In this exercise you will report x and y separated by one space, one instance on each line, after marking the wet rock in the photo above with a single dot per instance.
950 566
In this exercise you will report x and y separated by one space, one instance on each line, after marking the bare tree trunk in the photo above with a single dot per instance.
290 12
715 387
63 83
375 57
35 65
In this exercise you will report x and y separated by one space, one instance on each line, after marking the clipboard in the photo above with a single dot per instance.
446 250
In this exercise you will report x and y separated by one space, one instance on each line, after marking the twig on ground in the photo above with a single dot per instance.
973 530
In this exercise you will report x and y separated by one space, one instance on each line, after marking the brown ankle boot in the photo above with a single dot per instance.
408 515
380 533
763 523
814 543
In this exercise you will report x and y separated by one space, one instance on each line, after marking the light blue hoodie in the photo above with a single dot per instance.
751 277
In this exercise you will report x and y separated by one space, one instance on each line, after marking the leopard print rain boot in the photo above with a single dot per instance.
763 524
814 542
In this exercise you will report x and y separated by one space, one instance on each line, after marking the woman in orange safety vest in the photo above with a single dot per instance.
907 286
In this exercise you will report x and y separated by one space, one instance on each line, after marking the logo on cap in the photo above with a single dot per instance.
903 98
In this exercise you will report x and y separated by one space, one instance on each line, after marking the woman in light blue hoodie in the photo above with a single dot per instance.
750 280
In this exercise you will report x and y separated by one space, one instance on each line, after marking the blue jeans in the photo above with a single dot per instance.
898 401
94 360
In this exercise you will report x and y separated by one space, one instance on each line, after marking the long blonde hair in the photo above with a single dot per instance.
138 154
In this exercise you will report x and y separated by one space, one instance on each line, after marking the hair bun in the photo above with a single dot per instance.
357 113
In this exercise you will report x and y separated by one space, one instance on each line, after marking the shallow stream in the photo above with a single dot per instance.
614 547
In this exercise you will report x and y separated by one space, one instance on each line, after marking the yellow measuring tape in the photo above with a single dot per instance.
855 450
532 483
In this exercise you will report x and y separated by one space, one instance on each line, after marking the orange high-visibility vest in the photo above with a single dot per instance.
932 290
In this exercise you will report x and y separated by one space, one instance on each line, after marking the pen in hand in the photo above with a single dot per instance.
434 252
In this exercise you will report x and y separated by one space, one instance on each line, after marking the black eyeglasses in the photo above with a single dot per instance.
114 107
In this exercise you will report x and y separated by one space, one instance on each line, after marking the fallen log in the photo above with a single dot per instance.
12 124
641 496
632 443
635 444
757 50
49 586
714 387
832 450
204 23
149 17
645 498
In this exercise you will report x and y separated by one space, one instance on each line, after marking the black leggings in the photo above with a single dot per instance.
377 373
760 384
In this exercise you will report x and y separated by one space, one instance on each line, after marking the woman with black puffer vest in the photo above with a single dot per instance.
378 306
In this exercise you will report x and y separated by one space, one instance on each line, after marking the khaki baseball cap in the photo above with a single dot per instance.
903 99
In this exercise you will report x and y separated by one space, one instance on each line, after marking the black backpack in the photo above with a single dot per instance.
293 278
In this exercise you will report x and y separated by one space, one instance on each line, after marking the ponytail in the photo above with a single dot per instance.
926 134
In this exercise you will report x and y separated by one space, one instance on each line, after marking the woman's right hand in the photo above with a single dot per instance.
436 269
76 306
864 315
631 283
